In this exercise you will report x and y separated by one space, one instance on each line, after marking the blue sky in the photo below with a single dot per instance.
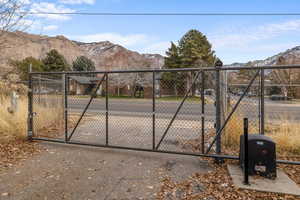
234 38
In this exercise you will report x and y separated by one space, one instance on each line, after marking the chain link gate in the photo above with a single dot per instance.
179 111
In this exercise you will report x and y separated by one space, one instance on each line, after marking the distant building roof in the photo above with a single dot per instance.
85 80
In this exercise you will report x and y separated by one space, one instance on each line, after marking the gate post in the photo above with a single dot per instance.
262 102
218 65
153 110
65 97
106 109
30 108
202 112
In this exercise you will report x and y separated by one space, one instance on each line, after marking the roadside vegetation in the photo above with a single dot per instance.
196 99
285 133
53 61
13 121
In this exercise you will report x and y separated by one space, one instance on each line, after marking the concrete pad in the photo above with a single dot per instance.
282 184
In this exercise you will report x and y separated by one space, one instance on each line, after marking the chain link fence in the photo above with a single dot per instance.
185 111
47 105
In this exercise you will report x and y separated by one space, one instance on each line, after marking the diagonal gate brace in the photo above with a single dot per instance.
219 132
87 106
178 109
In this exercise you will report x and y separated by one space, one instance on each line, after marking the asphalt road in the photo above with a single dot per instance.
190 109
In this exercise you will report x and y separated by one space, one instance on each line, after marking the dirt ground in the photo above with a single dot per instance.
60 171
75 172
79 172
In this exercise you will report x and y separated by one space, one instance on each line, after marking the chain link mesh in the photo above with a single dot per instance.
249 106
47 100
183 130
130 109
282 94
127 119
80 89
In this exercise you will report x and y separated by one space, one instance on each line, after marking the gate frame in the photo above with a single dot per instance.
219 128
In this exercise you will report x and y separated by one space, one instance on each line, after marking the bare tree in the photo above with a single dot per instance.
285 77
12 17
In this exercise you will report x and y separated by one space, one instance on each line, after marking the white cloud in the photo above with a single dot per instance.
157 48
293 25
78 1
50 28
125 40
45 7
246 36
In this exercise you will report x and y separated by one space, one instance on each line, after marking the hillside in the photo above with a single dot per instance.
106 55
288 57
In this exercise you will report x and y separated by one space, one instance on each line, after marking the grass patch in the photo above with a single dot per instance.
164 98
285 134
233 130
14 125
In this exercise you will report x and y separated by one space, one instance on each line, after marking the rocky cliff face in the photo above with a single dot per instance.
106 55
109 56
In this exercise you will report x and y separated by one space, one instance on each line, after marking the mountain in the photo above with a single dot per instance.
288 57
106 55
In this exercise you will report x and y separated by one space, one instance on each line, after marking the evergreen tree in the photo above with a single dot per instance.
82 63
22 67
195 50
172 61
54 61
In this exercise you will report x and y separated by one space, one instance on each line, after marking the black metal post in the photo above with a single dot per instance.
153 110
40 88
232 111
262 102
202 111
106 109
259 105
218 65
30 109
65 96
246 159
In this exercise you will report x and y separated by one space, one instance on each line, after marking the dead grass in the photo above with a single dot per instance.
286 134
233 130
14 125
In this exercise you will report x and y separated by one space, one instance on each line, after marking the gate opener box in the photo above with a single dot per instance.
261 155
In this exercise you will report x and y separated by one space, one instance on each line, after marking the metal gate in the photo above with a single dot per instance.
179 111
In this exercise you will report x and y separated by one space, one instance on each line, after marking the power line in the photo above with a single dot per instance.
162 14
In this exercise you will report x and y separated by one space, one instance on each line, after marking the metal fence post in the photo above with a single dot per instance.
153 110
106 108
262 101
218 65
40 88
30 108
65 96
259 105
202 111
246 159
